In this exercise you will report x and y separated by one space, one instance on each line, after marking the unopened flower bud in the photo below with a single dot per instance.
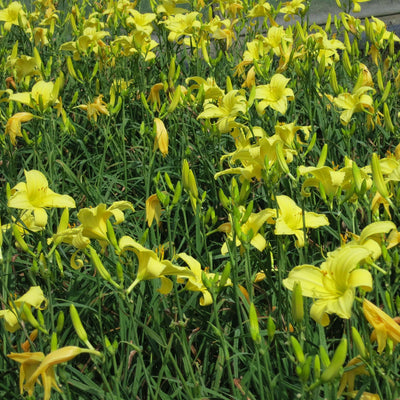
297 303
298 351
357 340
338 359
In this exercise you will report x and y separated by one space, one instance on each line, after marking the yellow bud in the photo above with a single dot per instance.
298 351
161 138
271 328
380 80
253 321
377 176
388 120
357 340
79 329
317 366
27 315
338 359
175 99
71 69
333 80
297 303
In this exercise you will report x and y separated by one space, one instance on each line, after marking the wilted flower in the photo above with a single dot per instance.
96 108
13 126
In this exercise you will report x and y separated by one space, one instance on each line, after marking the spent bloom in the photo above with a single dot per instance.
38 368
93 110
13 126
385 326
36 195
332 285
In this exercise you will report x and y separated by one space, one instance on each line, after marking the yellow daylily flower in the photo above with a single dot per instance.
274 95
371 237
35 195
13 126
332 180
195 282
161 138
94 220
209 86
42 95
230 106
185 25
93 110
251 228
332 285
291 220
34 297
153 209
13 15
37 365
384 325
151 266
291 8
354 102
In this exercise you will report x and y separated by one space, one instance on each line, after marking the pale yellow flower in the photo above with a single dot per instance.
35 195
161 138
274 95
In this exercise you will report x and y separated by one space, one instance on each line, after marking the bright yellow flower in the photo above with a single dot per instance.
384 325
13 15
35 195
34 297
161 138
37 365
13 126
142 22
195 282
251 226
332 285
292 221
230 106
182 25
354 102
151 266
94 220
96 108
274 95
42 95
291 8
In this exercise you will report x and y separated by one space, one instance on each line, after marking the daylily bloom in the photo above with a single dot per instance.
161 138
13 15
151 266
332 285
42 95
195 282
291 8
182 25
34 297
37 365
274 95
251 227
354 102
13 126
94 220
385 326
35 195
96 108
292 221
231 105
153 209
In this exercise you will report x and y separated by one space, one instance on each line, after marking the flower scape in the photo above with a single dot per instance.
199 200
